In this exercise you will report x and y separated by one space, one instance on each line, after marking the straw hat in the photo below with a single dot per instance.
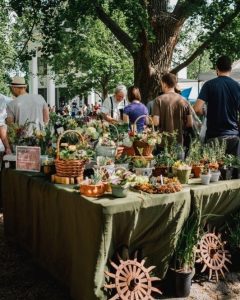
18 82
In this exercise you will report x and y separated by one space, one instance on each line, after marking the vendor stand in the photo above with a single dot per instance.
73 236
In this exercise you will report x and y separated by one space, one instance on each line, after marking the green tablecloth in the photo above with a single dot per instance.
73 237
217 200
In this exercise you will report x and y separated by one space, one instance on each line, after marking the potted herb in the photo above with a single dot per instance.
185 256
194 158
227 168
205 175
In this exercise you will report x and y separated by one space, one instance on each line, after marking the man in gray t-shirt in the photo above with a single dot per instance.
26 107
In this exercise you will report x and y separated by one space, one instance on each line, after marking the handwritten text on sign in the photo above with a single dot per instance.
28 158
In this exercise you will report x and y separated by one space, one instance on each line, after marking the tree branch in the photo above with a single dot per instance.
121 35
206 43
182 10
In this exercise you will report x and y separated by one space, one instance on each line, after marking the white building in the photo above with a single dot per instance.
42 81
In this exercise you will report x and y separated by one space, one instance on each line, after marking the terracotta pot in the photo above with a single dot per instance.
196 170
92 190
214 165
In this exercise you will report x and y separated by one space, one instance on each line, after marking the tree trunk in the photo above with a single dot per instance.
154 58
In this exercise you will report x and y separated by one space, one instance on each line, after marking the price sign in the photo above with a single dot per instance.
28 158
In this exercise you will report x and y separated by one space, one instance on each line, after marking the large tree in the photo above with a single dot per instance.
91 58
151 29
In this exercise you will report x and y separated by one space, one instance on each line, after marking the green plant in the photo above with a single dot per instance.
164 159
140 162
233 231
229 160
123 159
187 242
205 170
194 153
96 178
104 161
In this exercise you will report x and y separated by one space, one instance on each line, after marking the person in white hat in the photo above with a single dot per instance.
26 107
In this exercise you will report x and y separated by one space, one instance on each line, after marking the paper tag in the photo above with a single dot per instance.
7 165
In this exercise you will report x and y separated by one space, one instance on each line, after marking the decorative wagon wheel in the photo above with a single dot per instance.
212 254
132 280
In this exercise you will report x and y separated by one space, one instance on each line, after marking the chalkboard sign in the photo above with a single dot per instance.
28 158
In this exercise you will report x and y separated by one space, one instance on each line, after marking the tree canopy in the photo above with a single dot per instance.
152 31
91 57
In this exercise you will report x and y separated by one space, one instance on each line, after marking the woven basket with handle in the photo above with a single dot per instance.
141 147
69 168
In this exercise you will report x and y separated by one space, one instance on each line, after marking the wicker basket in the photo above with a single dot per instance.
69 168
146 149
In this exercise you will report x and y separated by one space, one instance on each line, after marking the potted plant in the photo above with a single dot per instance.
219 150
106 146
194 157
227 168
106 164
205 175
163 162
142 166
144 142
93 187
215 175
183 172
119 183
122 161
184 257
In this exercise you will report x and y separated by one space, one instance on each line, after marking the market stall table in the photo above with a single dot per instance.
73 237
215 201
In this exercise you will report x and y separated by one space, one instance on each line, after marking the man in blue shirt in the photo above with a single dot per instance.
222 97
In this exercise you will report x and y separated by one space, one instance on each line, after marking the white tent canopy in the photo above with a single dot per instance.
235 74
